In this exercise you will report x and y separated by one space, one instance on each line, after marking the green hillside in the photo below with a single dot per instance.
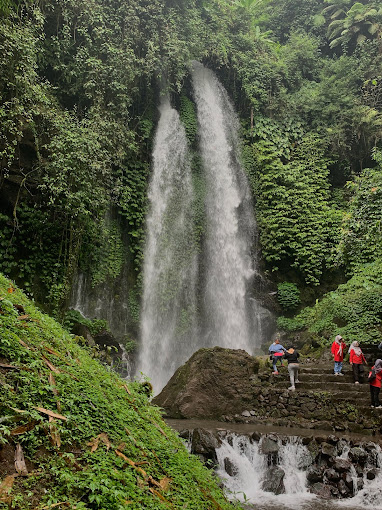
89 439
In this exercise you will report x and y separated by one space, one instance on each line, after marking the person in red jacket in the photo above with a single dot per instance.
338 348
356 360
375 384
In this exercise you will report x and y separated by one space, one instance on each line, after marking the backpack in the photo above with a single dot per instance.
372 375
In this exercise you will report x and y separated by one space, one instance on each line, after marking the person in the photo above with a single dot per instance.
338 348
375 384
291 355
356 360
276 350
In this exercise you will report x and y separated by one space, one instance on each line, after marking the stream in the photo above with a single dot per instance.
250 458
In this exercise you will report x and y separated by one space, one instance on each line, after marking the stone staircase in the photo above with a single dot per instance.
319 377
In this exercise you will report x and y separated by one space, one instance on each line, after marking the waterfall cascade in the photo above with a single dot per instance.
255 474
168 323
230 229
220 272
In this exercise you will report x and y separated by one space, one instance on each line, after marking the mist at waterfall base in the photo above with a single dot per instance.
198 293
248 468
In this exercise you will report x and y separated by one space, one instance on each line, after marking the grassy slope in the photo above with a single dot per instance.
139 462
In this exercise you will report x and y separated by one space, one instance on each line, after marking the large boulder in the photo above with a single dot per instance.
212 383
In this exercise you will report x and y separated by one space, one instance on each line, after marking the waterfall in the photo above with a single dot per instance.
245 470
251 469
168 325
370 496
228 267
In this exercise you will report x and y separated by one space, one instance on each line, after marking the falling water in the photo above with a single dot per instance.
245 470
173 327
228 266
170 265
250 469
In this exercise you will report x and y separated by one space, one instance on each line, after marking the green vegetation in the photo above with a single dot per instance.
78 115
288 296
104 445
353 311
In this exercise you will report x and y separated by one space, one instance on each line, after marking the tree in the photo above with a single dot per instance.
357 24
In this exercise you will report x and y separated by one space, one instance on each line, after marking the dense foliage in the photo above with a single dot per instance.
80 84
93 441
353 310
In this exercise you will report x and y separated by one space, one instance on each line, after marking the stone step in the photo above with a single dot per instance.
307 375
340 387
327 369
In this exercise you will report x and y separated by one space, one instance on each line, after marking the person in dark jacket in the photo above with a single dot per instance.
375 384
291 355
356 360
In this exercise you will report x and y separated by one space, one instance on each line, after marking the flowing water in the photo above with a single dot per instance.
229 266
168 324
249 468
194 301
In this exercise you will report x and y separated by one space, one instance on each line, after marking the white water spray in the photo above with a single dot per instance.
228 266
170 266
246 470
250 470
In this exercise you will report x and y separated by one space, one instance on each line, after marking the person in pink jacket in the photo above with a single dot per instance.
356 360
338 348
375 384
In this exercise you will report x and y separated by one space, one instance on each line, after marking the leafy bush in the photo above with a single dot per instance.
353 310
73 317
288 295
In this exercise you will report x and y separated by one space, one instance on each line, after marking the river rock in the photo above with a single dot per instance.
315 474
230 468
332 475
341 465
204 443
327 449
212 383
274 480
358 454
269 445
322 490
371 474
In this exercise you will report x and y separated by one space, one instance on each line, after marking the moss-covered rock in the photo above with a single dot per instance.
214 382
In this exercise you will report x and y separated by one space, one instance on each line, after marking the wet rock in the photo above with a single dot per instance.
349 482
331 475
185 434
343 489
358 454
341 465
269 445
371 474
256 436
327 449
274 480
204 443
82 330
230 468
322 490
315 474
